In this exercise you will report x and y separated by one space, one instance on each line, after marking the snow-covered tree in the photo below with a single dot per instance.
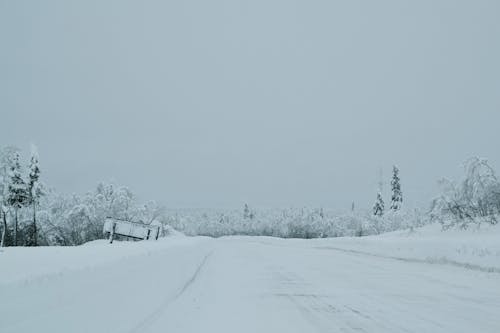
473 200
246 212
397 195
6 155
17 192
150 212
378 208
34 193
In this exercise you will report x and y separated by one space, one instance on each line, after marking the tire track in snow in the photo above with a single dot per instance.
156 314
318 309
428 260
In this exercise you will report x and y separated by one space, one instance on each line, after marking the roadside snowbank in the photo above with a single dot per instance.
475 248
23 264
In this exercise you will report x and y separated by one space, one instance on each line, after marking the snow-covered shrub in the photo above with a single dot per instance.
473 200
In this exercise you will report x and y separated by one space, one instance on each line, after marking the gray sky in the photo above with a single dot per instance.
270 102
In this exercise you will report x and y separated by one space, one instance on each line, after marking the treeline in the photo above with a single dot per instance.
473 200
33 214
292 223
305 222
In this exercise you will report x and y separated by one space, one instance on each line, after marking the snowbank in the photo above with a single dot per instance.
23 264
477 248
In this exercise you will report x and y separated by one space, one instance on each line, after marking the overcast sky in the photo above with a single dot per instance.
272 102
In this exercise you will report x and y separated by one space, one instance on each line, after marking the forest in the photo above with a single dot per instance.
34 214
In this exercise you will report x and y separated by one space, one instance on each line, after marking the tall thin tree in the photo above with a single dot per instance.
34 194
378 208
246 212
17 195
6 154
397 195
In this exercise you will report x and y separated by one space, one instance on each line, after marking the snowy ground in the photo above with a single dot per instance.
426 281
475 248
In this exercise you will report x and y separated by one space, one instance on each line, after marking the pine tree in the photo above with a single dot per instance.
378 208
397 195
34 194
4 226
6 155
246 212
3 208
17 194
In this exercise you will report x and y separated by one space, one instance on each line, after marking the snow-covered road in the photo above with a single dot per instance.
243 284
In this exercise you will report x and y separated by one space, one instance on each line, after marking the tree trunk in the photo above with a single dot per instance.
4 232
15 228
35 235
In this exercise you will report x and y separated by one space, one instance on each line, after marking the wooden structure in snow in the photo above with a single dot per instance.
113 227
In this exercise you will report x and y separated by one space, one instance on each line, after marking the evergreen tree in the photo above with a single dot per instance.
246 212
5 230
17 193
34 194
378 208
3 208
397 195
6 154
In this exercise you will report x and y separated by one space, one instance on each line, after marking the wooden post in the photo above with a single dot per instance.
112 233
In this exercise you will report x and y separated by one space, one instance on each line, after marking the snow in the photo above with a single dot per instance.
476 248
386 283
25 264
